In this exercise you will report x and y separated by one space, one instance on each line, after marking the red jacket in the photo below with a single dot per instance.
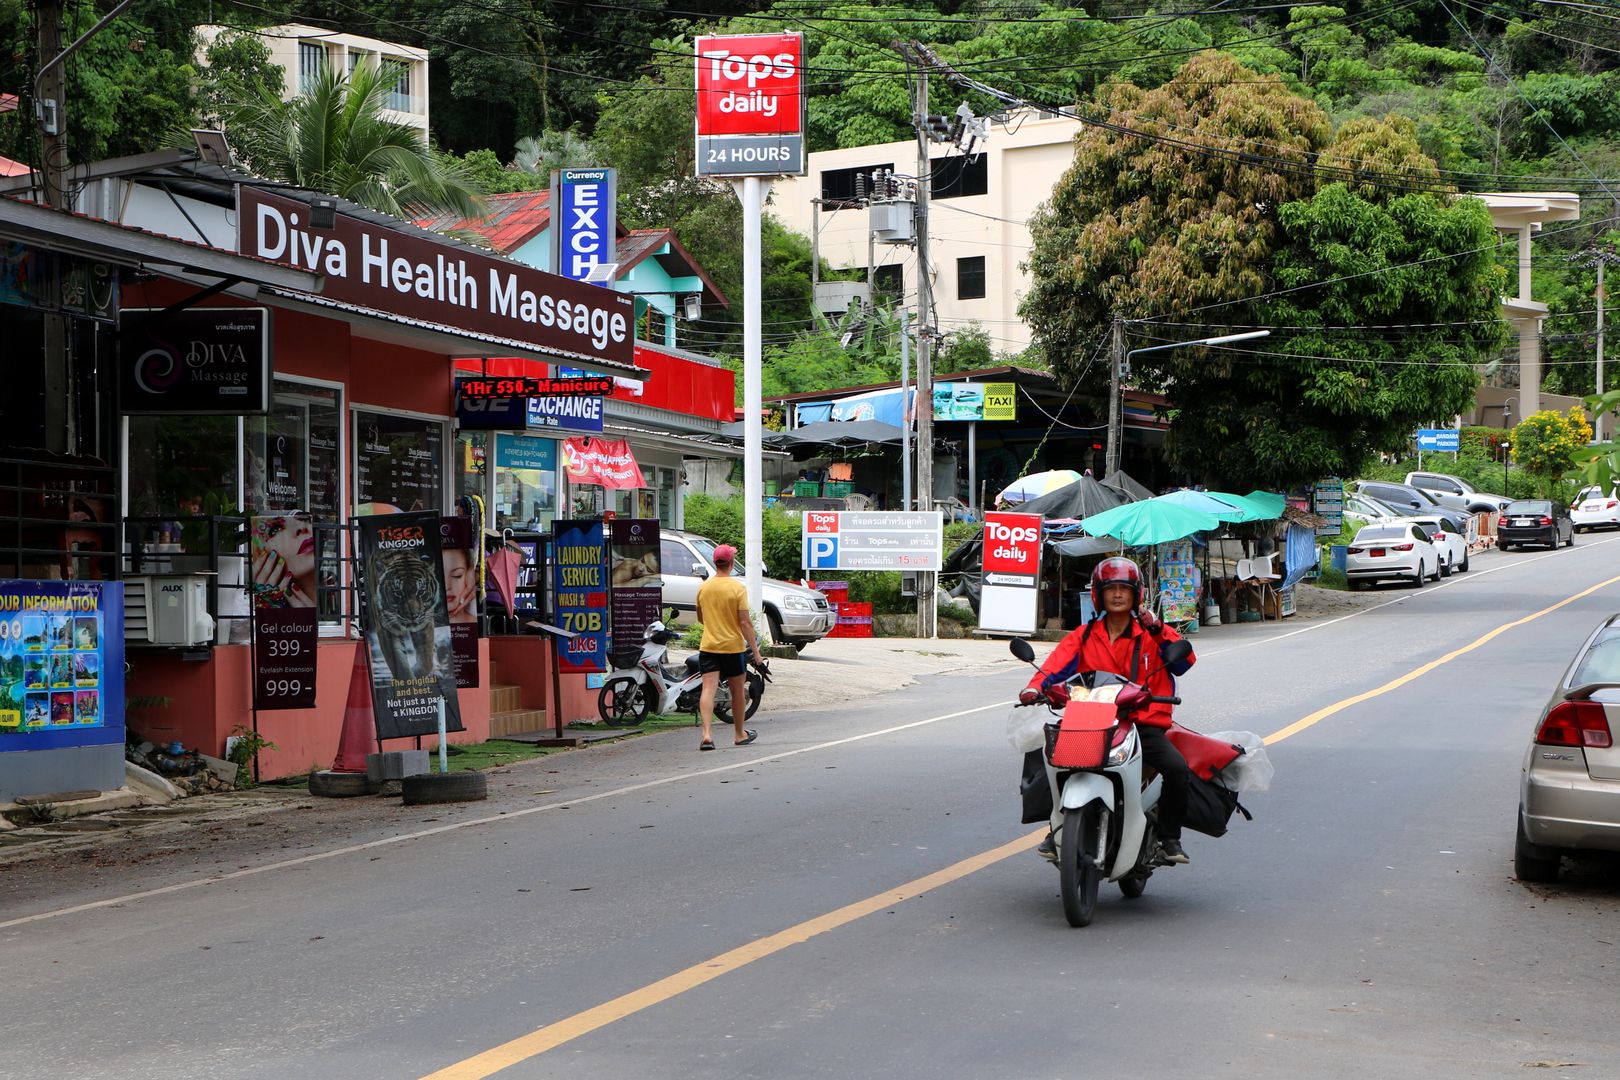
1135 655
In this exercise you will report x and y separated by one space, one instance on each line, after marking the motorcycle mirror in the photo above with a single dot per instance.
1174 652
1131 696
1021 649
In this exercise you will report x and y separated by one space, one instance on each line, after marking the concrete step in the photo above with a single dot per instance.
516 722
505 698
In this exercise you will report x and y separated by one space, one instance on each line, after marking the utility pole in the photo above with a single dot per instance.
926 626
1597 421
50 106
1116 421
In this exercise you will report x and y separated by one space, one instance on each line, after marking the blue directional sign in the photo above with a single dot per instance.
1438 439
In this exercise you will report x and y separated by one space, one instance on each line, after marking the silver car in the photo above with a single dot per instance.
797 615
1569 792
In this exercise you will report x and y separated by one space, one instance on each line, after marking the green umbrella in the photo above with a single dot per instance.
1269 501
1151 521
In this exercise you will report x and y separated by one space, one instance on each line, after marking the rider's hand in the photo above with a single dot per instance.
1057 695
1148 621
1029 696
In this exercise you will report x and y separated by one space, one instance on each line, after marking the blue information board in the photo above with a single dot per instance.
61 664
1449 439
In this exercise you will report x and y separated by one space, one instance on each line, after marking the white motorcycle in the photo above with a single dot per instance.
629 695
1103 813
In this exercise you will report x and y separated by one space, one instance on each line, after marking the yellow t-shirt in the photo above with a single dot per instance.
722 605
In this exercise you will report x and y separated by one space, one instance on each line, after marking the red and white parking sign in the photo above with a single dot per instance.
750 105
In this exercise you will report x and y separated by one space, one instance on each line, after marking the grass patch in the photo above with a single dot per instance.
487 755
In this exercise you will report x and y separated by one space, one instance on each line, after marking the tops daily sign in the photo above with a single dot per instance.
750 105
1012 573
871 540
423 278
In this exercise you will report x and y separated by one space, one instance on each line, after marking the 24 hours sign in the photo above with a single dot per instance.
1012 572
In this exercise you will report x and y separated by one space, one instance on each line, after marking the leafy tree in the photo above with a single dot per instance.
1546 444
540 154
487 173
236 67
967 349
333 138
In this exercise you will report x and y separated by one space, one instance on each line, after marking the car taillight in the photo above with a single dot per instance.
1546 521
1576 723
1611 504
1400 547
1439 536
1358 551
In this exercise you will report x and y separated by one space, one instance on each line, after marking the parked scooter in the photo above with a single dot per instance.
629 695
1103 814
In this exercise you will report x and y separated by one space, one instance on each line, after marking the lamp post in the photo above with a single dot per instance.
1506 447
1122 370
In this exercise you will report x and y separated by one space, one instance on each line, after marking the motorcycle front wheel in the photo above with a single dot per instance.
722 699
1078 855
623 702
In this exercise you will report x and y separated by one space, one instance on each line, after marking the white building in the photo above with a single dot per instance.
978 220
303 52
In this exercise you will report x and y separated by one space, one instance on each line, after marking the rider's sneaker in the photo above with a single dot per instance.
1173 853
1047 849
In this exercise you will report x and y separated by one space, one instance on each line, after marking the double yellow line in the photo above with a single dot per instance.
566 1030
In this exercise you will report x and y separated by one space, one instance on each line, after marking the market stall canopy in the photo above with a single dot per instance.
1081 499
1035 485
1123 482
1269 501
1078 546
767 436
1151 521
1226 506
841 433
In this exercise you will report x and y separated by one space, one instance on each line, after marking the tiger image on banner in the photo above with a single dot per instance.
407 625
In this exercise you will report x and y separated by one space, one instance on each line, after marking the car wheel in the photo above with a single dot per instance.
1504 547
1356 584
1417 577
1571 541
1445 569
1463 569
777 637
1530 861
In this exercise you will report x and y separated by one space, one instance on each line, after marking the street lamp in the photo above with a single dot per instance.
1506 446
1122 370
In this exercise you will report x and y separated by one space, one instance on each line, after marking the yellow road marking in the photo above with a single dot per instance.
1339 706
546 1038
572 1027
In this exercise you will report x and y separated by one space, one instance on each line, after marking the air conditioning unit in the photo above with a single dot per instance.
171 609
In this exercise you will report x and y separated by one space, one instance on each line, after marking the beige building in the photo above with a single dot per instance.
302 52
978 220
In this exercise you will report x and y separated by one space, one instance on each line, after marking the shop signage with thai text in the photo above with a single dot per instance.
421 277
607 463
872 540
202 360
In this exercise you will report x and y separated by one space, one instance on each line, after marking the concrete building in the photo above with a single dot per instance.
978 221
303 52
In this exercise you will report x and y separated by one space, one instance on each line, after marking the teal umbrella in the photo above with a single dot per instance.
1223 506
1151 521
1269 501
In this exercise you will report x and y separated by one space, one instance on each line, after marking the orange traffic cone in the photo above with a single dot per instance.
359 736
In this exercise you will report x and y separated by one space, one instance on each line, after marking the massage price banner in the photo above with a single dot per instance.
638 585
579 579
61 664
413 665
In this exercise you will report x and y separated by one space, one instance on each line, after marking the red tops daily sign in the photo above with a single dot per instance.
750 84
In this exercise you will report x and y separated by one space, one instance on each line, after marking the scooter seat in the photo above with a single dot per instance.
691 663
1205 756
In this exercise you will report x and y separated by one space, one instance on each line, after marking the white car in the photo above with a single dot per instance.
1438 484
797 615
1397 551
1591 509
1452 545
1368 510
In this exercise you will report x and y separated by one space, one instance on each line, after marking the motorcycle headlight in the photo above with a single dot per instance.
797 603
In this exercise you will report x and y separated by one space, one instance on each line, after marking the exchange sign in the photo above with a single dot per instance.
750 105
872 540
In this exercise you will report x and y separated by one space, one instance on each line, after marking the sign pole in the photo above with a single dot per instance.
753 479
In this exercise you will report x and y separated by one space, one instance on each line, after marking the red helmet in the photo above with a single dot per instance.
1116 571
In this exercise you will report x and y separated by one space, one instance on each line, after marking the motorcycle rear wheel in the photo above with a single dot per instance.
722 699
1078 873
623 702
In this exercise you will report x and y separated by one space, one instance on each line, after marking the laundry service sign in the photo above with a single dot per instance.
419 277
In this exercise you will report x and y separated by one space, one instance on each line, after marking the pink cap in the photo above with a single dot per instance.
725 553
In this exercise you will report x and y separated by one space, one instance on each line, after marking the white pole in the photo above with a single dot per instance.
753 481
444 762
1597 420
905 409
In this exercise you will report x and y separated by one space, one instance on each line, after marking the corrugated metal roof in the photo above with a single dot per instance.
512 221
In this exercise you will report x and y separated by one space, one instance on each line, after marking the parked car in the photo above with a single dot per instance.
797 615
1592 509
1534 521
1569 786
1414 500
1366 509
1452 546
1437 484
1391 551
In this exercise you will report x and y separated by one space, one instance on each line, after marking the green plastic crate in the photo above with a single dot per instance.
806 489
837 489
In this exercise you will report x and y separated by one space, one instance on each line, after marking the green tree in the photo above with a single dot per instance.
236 67
1548 444
333 138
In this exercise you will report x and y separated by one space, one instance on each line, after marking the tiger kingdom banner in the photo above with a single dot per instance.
408 636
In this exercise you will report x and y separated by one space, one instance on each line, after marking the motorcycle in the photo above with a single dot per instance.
629 695
1103 809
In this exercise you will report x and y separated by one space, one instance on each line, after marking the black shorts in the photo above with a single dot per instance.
730 665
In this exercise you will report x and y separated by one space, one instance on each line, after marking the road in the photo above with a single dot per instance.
854 897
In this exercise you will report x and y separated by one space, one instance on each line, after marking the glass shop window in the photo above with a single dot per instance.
399 463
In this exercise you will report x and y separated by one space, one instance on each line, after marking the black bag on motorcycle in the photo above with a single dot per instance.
1035 789
1210 805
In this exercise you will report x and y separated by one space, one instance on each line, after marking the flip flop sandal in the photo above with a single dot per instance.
748 737
706 746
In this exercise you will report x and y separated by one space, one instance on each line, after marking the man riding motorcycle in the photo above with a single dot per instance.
1125 638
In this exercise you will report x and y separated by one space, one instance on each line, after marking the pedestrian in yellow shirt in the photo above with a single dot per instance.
728 642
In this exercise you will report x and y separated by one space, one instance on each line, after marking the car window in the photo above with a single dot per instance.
677 560
1437 483
1425 498
1381 532
1418 531
1529 506
705 548
1600 664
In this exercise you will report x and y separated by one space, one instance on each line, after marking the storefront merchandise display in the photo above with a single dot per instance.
1178 582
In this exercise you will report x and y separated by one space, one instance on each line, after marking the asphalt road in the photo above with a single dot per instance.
854 897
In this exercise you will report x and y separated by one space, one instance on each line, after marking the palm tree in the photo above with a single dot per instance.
333 138
539 154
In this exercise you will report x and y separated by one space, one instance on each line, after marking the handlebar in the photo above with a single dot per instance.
1171 700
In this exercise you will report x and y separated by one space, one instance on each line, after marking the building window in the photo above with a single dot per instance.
311 61
958 177
399 95
890 281
354 62
398 462
525 482
838 185
970 278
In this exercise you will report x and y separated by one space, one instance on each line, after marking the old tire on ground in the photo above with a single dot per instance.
444 788
339 785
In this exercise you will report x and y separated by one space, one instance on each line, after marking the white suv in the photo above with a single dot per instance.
797 615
